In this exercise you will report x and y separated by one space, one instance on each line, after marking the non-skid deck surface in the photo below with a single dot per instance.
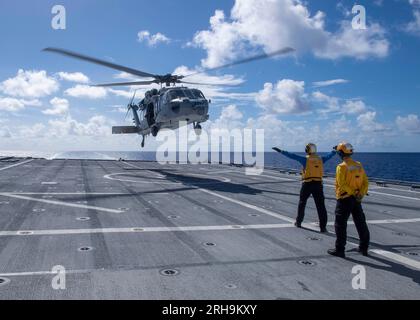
154 231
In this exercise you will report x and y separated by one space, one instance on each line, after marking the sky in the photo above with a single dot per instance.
341 83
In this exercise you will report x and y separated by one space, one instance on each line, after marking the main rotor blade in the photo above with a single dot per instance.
100 62
116 84
210 84
246 60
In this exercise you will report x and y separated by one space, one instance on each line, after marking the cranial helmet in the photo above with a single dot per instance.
310 148
345 149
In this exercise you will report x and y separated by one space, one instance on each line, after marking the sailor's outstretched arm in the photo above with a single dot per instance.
329 156
300 159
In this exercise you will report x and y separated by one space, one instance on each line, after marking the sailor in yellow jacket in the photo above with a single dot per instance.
312 173
351 185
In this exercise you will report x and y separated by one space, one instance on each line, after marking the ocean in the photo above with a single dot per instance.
388 166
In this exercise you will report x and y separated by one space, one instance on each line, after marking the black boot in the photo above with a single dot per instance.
364 252
337 253
298 224
323 230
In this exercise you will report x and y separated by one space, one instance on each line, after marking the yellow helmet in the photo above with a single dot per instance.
310 148
345 149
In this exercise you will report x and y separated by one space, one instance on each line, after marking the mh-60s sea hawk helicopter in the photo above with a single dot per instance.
170 106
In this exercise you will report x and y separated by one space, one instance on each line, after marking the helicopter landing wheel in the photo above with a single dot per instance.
197 129
142 142
155 131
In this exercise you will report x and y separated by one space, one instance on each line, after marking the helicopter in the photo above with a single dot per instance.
169 107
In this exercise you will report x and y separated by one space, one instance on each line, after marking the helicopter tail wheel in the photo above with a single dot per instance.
155 131
197 129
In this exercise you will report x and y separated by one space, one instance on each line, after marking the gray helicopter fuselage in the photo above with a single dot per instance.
169 106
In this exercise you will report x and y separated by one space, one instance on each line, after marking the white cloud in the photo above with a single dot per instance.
367 122
5 133
274 24
59 107
96 126
354 107
14 105
327 83
126 93
30 84
229 118
152 39
414 26
409 124
35 131
285 97
73 77
333 104
83 91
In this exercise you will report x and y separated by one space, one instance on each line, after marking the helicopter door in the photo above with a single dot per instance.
150 114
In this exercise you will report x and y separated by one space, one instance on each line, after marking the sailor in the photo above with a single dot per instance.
351 186
312 173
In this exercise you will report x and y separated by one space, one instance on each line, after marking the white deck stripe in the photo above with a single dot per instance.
390 255
141 229
22 233
60 203
398 258
249 206
15 165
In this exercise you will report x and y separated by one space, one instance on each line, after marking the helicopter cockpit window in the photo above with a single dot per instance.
190 94
198 94
176 94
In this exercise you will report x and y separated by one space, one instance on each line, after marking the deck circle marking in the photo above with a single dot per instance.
313 239
112 176
169 272
25 233
307 262
83 218
209 244
4 281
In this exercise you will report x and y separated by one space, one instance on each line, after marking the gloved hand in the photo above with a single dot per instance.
276 149
358 196
335 148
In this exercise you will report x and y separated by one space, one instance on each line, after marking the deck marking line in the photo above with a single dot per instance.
397 257
60 203
16 164
249 206
184 229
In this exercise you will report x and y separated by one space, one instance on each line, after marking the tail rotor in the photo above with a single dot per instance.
130 104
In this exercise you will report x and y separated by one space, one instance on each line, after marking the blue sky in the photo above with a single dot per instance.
373 101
